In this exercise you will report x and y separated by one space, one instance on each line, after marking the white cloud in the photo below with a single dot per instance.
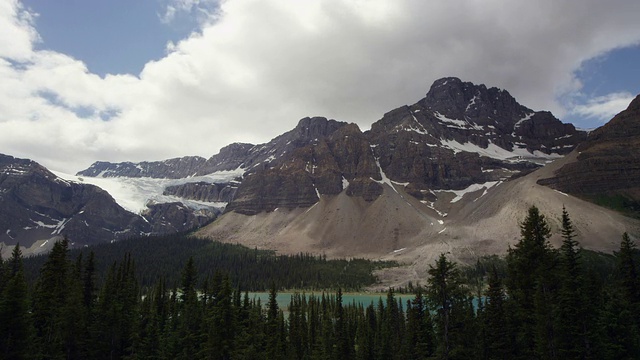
18 34
257 66
603 108
201 9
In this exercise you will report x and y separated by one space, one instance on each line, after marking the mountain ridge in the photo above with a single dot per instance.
351 189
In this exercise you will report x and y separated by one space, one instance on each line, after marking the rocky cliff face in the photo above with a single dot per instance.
458 135
461 134
170 169
607 164
37 205
202 191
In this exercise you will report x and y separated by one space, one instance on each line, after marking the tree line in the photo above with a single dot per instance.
544 304
164 256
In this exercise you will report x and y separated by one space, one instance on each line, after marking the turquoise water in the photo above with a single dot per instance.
284 298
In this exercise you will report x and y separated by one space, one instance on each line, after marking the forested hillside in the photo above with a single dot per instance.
164 257
545 304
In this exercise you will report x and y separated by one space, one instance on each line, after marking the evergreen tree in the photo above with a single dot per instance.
50 294
74 320
622 312
495 319
190 315
16 331
272 329
529 283
420 341
445 293
343 348
628 270
222 323
572 316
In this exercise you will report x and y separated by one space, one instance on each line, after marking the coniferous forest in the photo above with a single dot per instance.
536 303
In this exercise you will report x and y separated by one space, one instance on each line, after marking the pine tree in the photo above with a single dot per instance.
628 270
190 313
444 293
622 308
74 319
16 331
343 350
498 347
572 316
272 328
50 293
529 283
420 341
222 323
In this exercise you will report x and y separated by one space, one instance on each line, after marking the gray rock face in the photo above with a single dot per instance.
230 157
608 162
457 135
201 191
37 205
176 168
175 217
461 133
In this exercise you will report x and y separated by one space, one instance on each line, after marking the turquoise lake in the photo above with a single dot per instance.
365 299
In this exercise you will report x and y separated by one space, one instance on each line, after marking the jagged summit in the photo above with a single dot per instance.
416 162
464 100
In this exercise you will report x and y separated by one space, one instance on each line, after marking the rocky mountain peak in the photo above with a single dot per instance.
464 100
624 125
229 158
310 128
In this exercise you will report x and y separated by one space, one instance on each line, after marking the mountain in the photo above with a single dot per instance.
37 207
426 178
229 158
606 167
431 186
460 134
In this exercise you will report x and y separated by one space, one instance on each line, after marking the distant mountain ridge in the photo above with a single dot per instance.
459 137
37 207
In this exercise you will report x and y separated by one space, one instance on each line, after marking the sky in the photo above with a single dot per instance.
123 80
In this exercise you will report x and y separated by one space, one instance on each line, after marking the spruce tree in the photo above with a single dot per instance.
16 331
529 283
50 294
445 293
495 319
628 270
274 342
189 313
572 316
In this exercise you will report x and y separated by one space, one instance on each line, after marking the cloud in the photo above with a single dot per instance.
201 10
603 108
255 67
17 35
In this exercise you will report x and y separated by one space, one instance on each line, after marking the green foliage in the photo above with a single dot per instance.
619 203
250 269
539 303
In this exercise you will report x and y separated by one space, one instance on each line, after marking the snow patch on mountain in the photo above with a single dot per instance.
496 152
472 188
133 194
